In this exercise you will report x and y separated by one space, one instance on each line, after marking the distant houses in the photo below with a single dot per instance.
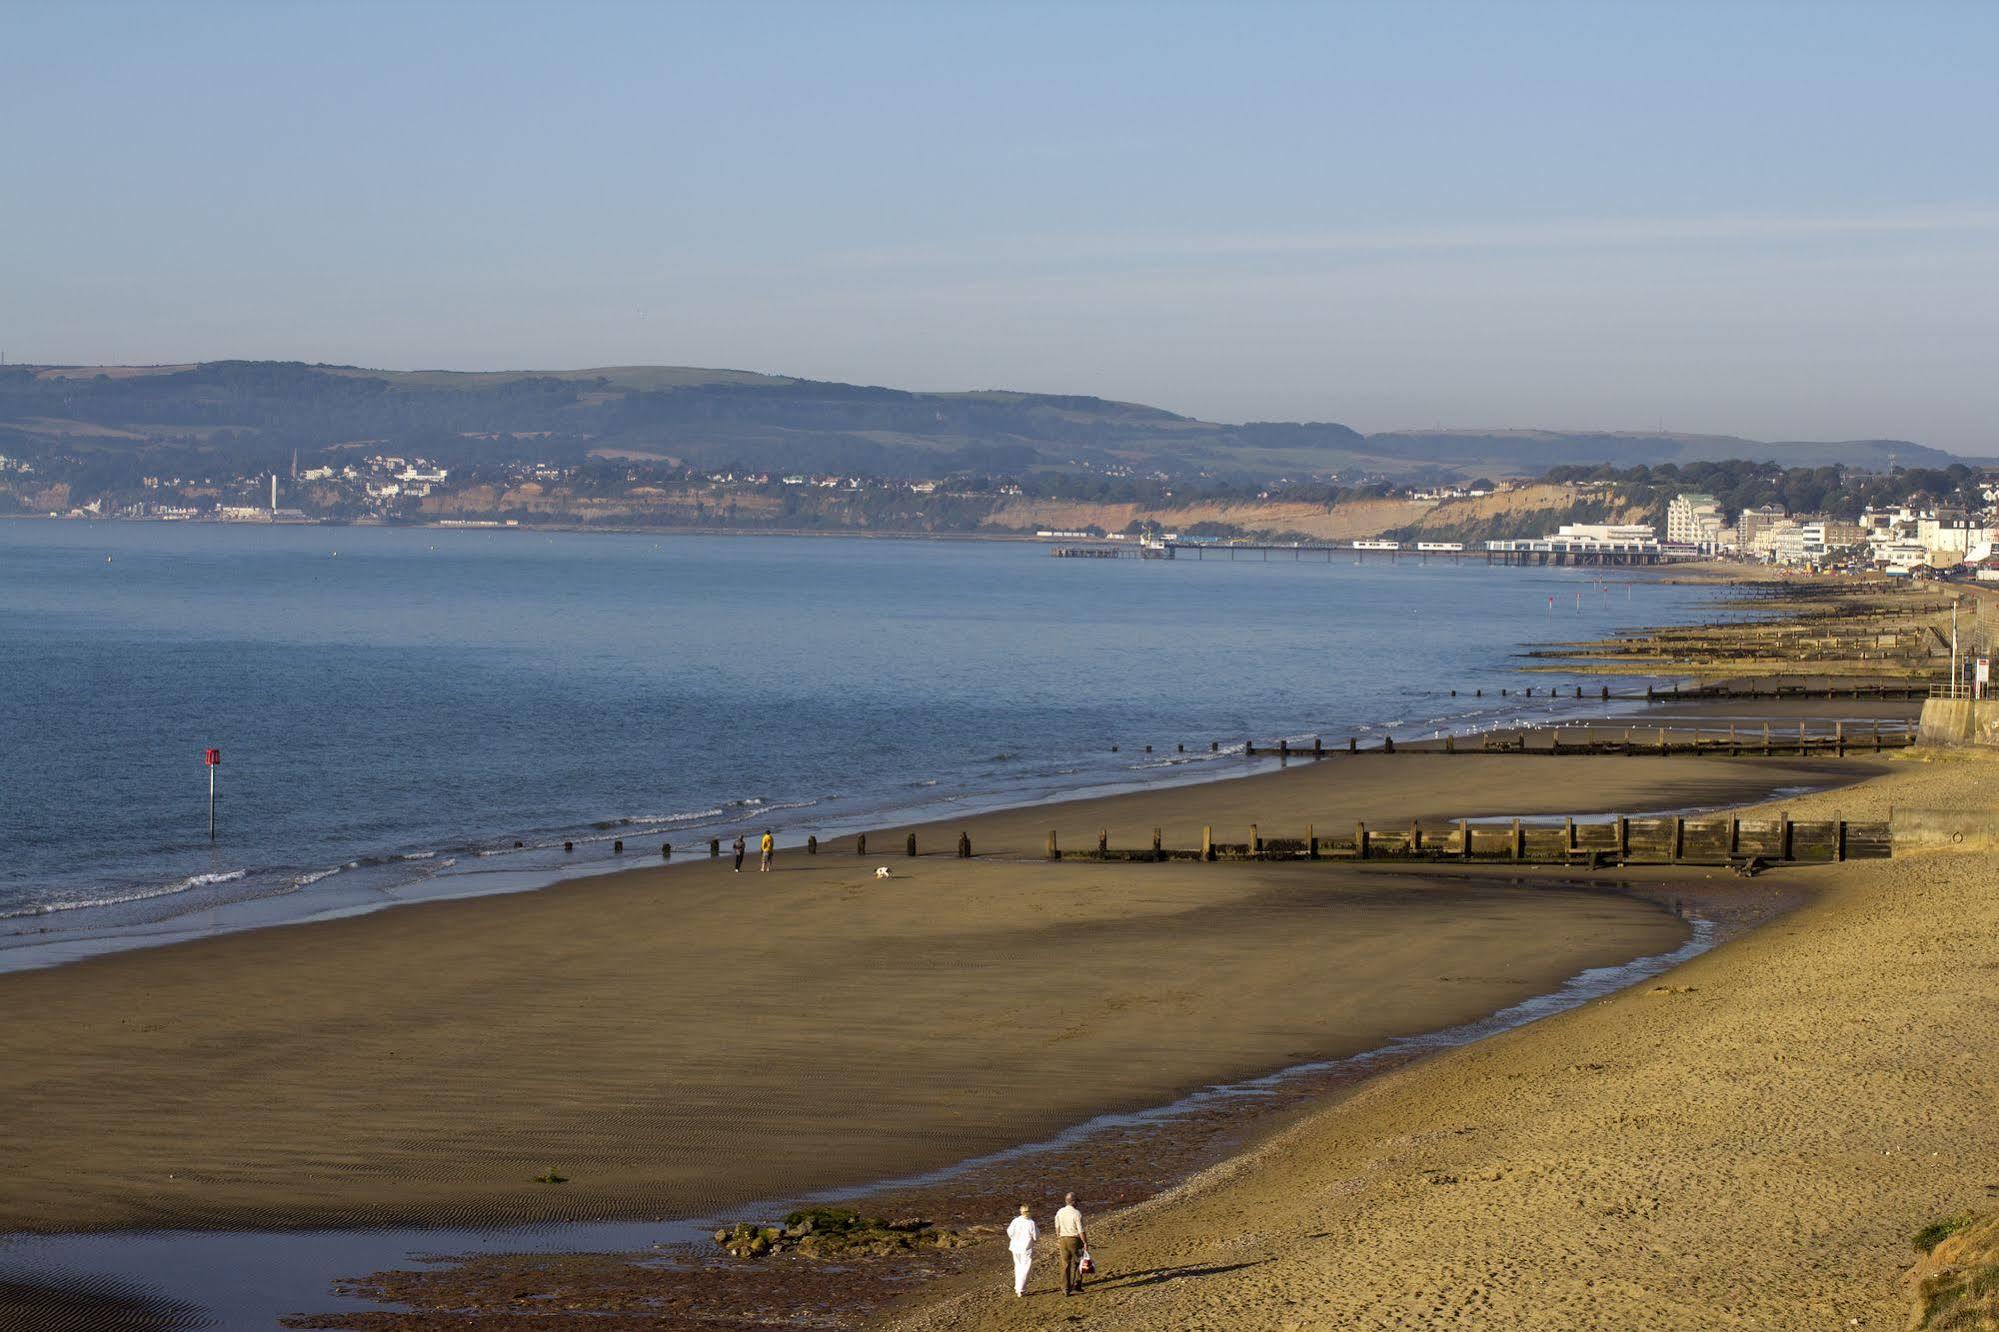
1902 539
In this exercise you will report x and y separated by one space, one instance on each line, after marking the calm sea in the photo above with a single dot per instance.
397 708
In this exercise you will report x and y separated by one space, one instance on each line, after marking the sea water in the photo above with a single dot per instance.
396 708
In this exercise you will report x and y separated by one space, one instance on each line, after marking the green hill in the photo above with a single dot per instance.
247 415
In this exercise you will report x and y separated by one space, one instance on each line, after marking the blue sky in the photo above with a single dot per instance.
1778 220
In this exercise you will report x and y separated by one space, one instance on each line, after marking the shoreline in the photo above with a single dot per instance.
1749 1144
40 938
1154 1147
1009 845
1382 789
1194 1143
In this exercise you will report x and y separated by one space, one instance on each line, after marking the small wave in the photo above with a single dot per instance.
652 820
416 855
309 879
192 881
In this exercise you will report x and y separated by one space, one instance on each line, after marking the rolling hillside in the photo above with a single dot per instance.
252 414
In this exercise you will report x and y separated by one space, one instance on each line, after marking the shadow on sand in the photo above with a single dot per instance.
1158 1275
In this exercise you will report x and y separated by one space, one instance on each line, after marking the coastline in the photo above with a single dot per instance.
395 980
92 1067
448 939
122 898
1749 1143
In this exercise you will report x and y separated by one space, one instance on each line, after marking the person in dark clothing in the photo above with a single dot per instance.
738 848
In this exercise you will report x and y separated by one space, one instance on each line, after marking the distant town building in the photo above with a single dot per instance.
1951 533
1695 520
1752 523
1611 533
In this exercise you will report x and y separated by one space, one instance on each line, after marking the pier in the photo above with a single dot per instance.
1536 554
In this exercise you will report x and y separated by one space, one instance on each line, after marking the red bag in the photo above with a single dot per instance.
1086 1263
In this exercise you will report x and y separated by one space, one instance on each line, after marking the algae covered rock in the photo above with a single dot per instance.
821 1233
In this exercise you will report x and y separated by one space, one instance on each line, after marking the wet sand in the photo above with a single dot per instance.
680 1040
1747 1143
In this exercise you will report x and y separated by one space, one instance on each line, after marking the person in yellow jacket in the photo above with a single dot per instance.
768 847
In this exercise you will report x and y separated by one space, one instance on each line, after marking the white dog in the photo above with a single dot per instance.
882 873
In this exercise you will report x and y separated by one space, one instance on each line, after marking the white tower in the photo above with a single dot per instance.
274 493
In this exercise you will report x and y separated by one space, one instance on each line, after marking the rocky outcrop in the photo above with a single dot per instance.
833 1232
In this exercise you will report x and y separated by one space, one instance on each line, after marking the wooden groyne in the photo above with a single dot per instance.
1881 636
1718 840
1729 740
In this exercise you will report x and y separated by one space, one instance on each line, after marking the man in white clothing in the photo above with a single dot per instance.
1020 1236
1074 1241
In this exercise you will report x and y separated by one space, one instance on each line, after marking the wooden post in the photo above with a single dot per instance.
1569 833
1450 744
1839 840
1054 851
1415 838
1519 850
1734 835
1784 836
1353 744
1877 735
1732 750
1623 837
1318 747
1311 841
1208 842
1103 842
1679 838
909 847
1662 742
1360 840
1156 840
1255 841
1464 838
812 845
964 846
1766 739
714 847
1801 739
861 845
1388 744
1839 737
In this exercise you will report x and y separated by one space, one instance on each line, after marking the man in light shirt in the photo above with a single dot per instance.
1073 1240
1021 1233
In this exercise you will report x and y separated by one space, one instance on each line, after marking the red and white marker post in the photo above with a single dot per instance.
212 759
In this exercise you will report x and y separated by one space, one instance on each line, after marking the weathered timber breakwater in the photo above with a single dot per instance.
1744 844
1881 634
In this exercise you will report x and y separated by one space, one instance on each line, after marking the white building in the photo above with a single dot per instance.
1952 536
1695 519
1616 533
1754 522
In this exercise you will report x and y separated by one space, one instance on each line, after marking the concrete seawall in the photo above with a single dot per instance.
1959 721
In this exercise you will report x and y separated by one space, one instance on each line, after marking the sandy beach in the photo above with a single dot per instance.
680 1039
1748 1143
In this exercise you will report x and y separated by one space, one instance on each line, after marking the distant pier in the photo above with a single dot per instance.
1541 553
